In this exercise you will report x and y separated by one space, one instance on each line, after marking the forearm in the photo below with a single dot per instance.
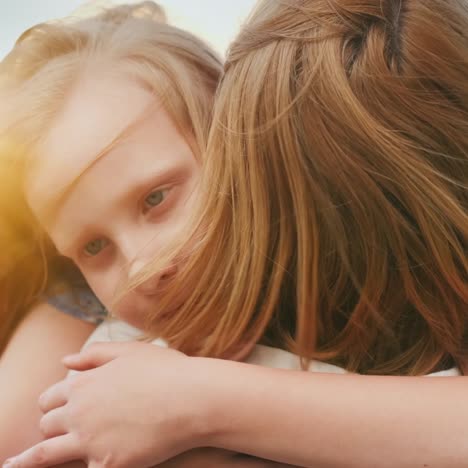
325 420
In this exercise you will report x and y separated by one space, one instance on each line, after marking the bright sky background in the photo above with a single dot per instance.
217 21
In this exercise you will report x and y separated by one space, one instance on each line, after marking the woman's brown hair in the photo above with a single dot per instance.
35 80
333 220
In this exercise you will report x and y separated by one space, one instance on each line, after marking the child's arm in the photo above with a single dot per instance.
301 418
330 420
30 364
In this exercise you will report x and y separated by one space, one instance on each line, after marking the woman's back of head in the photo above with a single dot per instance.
341 143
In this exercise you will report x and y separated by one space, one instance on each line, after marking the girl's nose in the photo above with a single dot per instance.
151 285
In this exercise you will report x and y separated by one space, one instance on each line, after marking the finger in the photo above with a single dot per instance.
50 452
97 355
53 424
54 397
95 464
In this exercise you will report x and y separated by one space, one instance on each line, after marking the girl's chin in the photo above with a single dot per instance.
137 316
140 311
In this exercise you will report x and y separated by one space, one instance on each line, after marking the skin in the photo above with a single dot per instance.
46 335
300 418
114 213
22 366
136 422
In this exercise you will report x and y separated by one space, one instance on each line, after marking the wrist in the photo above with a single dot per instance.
199 421
223 409
211 417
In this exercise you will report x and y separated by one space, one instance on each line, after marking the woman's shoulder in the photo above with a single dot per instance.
116 330
278 358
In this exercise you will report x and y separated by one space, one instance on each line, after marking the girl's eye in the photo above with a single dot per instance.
93 248
155 198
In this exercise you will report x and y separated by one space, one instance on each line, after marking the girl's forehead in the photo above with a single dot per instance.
96 113
151 154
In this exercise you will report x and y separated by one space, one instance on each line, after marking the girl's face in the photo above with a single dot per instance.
112 214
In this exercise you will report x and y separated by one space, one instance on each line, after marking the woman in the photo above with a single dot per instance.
337 167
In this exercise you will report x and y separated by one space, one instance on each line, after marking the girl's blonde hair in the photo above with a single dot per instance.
35 79
333 221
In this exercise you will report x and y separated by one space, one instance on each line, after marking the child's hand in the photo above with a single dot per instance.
134 405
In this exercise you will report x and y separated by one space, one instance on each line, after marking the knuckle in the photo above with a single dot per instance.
75 382
40 455
43 426
43 400
84 437
73 412
109 461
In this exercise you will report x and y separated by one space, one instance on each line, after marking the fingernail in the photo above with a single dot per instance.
8 463
70 358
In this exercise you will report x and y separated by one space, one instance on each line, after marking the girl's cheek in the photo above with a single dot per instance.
104 287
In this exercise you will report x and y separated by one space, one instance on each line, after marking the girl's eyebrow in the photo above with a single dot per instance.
50 211
155 180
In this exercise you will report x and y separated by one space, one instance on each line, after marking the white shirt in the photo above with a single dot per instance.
114 331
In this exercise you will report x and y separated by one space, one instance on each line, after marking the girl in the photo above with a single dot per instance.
337 166
48 63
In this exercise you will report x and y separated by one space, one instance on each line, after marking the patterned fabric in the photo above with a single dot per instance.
80 303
